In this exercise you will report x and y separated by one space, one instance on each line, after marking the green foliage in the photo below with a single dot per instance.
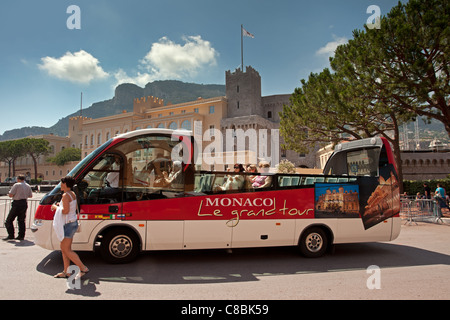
381 79
412 187
65 156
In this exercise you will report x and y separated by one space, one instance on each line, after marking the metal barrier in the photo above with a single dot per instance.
413 210
5 206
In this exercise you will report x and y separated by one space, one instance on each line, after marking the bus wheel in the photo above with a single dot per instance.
120 245
313 242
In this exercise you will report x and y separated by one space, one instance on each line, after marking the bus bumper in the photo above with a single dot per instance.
43 231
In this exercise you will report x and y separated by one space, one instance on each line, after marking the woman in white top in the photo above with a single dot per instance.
68 207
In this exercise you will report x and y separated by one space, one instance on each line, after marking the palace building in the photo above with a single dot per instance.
242 108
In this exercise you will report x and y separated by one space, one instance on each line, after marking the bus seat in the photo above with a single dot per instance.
295 181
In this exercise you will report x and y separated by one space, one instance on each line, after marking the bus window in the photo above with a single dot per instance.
149 170
102 184
363 162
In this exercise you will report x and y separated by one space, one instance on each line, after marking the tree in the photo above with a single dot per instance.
9 152
36 148
407 59
66 155
382 78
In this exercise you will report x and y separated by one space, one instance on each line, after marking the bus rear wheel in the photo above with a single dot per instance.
120 245
313 242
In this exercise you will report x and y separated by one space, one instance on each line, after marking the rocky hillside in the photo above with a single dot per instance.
169 90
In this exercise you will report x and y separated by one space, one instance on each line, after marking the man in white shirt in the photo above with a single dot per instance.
19 192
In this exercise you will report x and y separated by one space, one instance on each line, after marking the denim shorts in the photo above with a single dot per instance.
70 229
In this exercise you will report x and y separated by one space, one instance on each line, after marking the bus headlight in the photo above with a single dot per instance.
36 224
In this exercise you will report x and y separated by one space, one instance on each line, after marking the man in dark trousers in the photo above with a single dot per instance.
19 192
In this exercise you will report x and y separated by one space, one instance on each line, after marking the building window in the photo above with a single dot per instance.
269 115
92 139
183 111
171 113
238 104
211 109
196 110
108 136
99 138
161 126
173 125
237 89
186 124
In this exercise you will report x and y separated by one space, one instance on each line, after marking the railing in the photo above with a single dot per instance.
413 210
5 206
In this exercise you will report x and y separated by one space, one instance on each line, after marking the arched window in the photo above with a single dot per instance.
173 125
161 126
186 124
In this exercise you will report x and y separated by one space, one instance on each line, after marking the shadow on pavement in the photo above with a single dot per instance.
220 266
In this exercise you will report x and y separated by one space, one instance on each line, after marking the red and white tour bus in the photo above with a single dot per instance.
136 193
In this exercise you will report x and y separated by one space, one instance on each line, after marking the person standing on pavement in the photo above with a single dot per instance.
440 196
67 210
426 191
19 192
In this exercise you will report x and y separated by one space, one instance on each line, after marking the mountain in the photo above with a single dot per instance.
170 90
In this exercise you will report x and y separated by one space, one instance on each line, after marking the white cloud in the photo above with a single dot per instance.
329 49
169 60
78 67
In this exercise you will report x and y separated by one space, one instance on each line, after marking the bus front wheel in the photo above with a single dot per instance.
313 242
120 245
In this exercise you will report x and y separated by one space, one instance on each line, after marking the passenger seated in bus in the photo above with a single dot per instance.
234 182
173 180
251 168
262 181
112 178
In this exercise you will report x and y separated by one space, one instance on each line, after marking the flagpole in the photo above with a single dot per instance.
242 48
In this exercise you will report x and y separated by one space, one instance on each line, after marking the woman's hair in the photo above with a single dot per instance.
240 167
264 164
69 181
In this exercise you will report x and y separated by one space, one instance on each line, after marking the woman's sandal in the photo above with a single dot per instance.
63 275
82 273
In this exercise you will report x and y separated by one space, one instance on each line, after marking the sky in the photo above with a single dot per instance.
52 50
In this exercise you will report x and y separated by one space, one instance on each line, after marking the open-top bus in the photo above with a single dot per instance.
140 191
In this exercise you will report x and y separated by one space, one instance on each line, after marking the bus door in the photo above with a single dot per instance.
363 166
100 193
153 186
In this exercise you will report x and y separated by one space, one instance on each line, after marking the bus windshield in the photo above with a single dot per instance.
49 198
